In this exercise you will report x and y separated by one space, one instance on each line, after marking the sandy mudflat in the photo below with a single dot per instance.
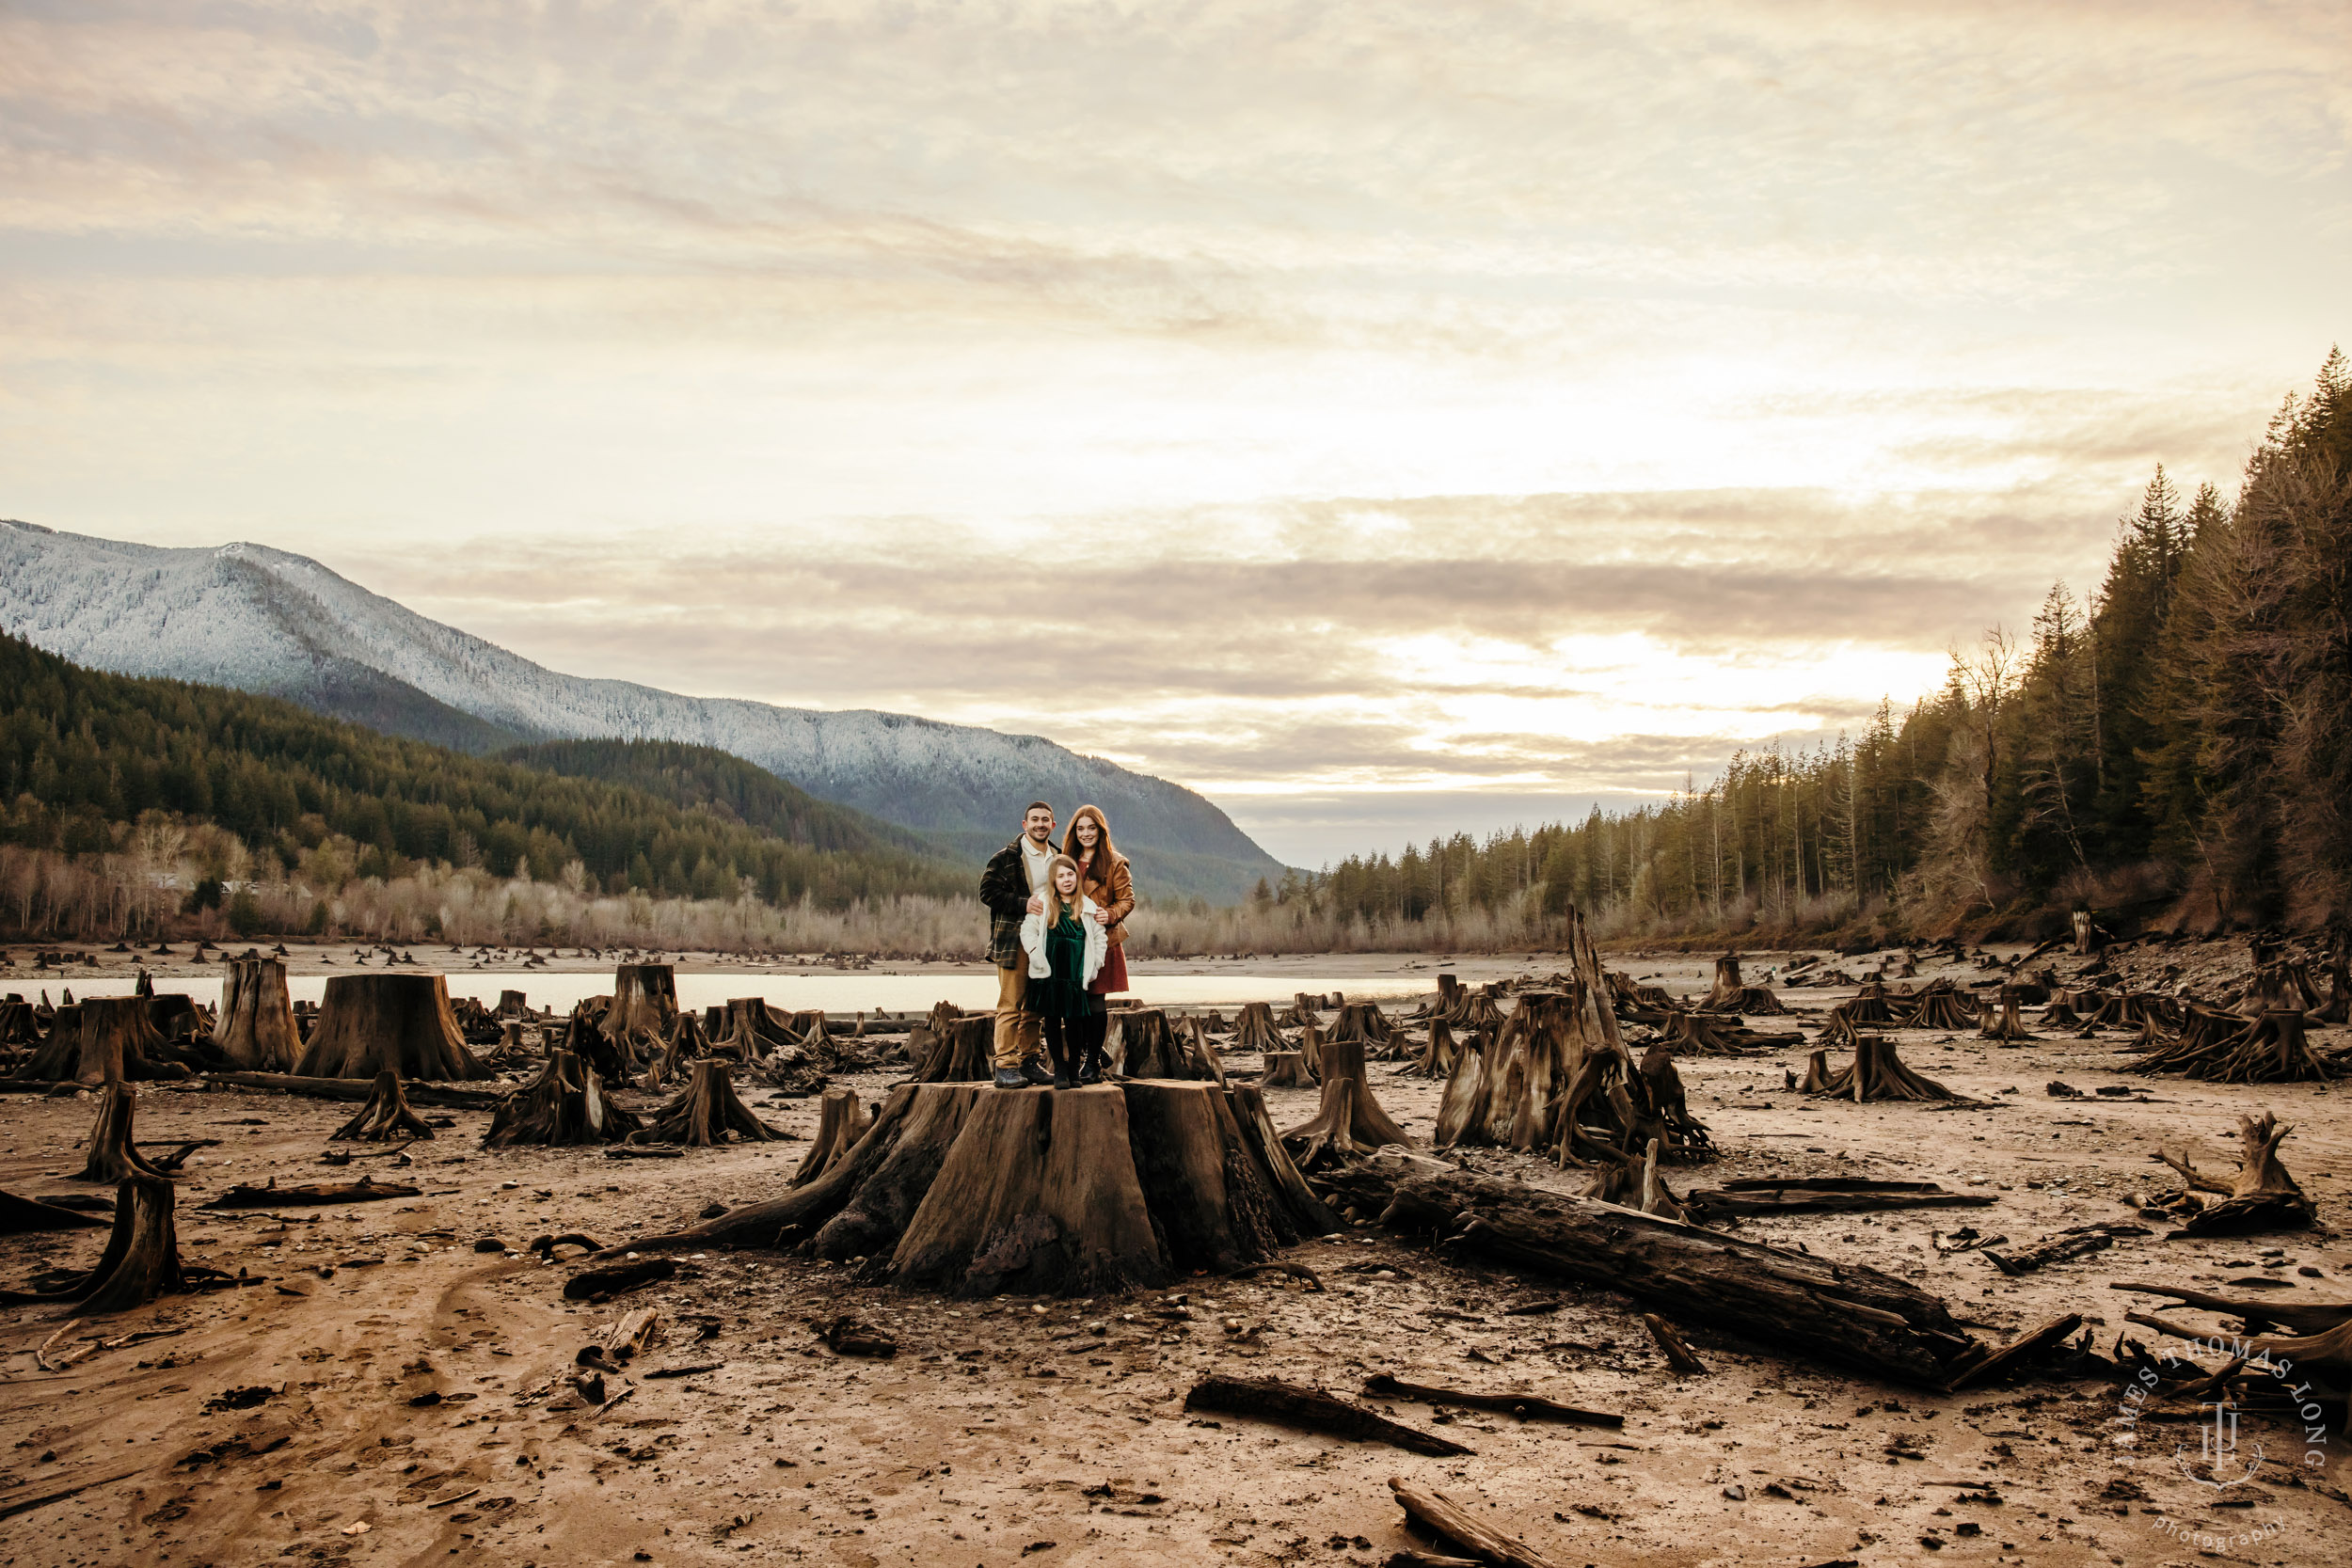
1016 1431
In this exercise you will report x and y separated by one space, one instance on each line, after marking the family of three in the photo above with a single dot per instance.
1056 924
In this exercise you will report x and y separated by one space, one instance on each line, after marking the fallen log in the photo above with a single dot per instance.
1529 1406
1439 1514
1826 1195
1289 1404
274 1196
2016 1350
2301 1317
358 1089
1845 1313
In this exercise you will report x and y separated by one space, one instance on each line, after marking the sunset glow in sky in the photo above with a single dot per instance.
1383 418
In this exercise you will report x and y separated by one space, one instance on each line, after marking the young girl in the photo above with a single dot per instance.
1065 949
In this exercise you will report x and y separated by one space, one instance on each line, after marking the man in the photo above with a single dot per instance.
1012 887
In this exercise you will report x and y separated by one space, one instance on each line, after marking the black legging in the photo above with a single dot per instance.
1074 1041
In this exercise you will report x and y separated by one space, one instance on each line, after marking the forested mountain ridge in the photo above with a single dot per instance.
2176 750
268 620
82 751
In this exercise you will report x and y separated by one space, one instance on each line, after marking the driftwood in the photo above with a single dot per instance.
2260 1196
384 1117
1824 1194
403 1024
1673 1346
1527 1406
2255 1312
1289 1404
2027 1344
1441 1516
2080 1241
357 1090
838 1127
321 1195
1843 1313
256 1030
566 1105
22 1215
973 1191
705 1114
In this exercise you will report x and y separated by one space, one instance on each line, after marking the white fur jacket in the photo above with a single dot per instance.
1033 942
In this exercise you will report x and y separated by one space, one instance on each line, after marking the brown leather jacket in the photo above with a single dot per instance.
1115 893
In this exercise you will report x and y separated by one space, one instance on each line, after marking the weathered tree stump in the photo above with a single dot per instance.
1255 1031
1843 1313
1304 1010
1707 1035
644 1002
566 1104
972 1190
513 1005
2272 1049
141 1261
403 1024
1940 1006
114 1156
839 1125
1364 1022
256 1029
104 1039
384 1117
1286 1069
964 1051
2060 1014
1144 1045
1869 1004
750 1030
2261 1197
706 1113
1876 1072
1731 994
2005 1025
1349 1121
1439 1052
686 1044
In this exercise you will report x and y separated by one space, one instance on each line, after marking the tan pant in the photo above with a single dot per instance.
1019 1031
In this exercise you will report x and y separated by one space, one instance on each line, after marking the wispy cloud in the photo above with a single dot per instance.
1491 398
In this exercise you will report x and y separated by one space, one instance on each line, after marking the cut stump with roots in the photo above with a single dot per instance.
1350 1121
256 1030
839 1126
1876 1072
706 1113
566 1104
404 1023
972 1190
384 1117
1286 1069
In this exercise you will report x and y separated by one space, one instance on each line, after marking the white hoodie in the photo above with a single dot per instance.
1033 942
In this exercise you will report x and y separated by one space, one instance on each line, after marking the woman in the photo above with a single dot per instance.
1065 944
1102 872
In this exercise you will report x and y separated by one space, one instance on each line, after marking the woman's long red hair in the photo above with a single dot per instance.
1105 852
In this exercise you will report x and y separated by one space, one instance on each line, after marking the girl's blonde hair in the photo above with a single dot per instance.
1053 894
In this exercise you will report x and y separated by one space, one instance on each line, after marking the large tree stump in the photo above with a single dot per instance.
1349 1121
2272 1049
114 1155
705 1113
256 1030
2261 1197
1144 1045
644 1002
2005 1025
1836 1312
839 1126
384 1117
964 1051
104 1039
1731 994
565 1105
1940 1006
403 1024
972 1190
1876 1072
1255 1031
1286 1069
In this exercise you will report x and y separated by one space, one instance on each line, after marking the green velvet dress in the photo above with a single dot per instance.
1064 994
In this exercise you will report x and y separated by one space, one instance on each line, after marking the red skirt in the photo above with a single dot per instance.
1112 979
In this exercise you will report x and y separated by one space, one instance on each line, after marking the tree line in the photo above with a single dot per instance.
2177 745
86 757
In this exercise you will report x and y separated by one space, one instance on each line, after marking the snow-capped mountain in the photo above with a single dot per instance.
265 621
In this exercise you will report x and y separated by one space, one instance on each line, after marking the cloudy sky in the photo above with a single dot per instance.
1384 417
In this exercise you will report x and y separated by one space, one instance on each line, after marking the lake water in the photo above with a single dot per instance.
840 995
